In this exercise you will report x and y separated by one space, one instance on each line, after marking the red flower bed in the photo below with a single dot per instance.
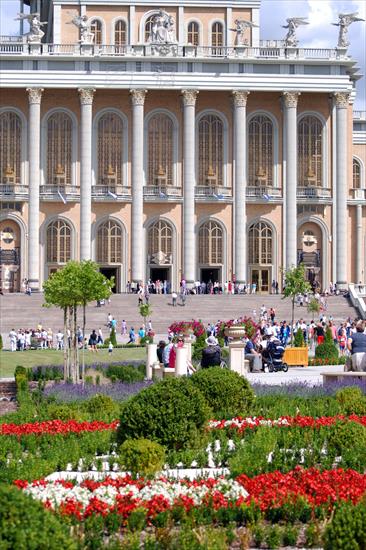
186 327
274 489
240 424
53 427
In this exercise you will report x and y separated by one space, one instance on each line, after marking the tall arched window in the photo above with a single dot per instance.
59 148
193 33
148 27
356 174
217 34
260 161
110 149
58 242
260 244
109 243
210 150
210 244
310 152
160 150
160 242
97 29
10 147
120 33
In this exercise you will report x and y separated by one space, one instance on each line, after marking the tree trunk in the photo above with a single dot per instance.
292 320
76 350
66 373
68 340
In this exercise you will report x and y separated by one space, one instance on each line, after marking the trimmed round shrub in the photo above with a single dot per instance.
63 412
171 412
352 400
125 373
101 404
226 392
26 525
347 435
141 456
347 531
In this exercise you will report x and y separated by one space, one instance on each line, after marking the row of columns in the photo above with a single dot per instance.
189 98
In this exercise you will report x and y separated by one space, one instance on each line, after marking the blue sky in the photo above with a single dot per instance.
320 33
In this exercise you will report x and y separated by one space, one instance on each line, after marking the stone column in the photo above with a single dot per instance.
137 168
341 102
189 98
240 183
290 107
34 137
86 125
359 241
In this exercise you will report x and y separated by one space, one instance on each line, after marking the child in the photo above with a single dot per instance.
110 348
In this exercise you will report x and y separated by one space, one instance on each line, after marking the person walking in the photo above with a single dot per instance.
174 298
93 339
357 346
132 336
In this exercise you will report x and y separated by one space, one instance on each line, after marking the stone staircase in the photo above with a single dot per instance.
19 310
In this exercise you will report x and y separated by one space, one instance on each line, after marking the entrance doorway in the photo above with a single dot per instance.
160 274
210 274
110 272
261 277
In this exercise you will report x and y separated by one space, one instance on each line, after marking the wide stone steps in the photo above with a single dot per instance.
19 310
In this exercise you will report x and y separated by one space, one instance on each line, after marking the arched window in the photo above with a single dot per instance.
210 150
356 174
58 242
160 150
193 33
148 27
59 149
97 30
160 243
310 152
217 35
260 161
260 244
10 147
110 149
210 244
109 243
120 33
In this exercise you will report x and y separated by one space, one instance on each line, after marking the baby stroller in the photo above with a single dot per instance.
274 355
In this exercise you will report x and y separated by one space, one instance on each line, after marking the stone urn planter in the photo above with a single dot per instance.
236 332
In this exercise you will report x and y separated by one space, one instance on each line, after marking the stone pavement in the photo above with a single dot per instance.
311 375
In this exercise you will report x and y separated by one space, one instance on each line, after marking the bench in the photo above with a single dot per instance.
329 376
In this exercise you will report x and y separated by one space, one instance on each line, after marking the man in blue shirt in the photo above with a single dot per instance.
254 358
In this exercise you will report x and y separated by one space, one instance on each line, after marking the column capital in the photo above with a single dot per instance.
291 99
35 95
341 99
189 97
138 96
240 98
86 95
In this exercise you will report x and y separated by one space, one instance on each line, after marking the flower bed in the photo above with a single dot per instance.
188 327
240 424
267 491
71 393
56 427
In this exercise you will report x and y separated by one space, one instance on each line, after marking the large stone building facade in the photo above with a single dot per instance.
171 143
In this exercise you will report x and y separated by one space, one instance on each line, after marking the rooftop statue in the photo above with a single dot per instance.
35 33
241 26
292 24
84 24
345 20
162 29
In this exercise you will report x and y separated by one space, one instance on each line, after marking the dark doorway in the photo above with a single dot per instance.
110 272
210 274
160 274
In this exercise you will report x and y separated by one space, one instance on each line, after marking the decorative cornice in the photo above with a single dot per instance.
138 96
341 100
189 97
291 98
86 95
35 95
240 98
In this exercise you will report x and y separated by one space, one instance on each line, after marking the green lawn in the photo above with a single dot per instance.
9 360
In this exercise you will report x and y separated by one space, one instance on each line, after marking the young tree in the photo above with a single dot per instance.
77 284
313 306
295 283
145 311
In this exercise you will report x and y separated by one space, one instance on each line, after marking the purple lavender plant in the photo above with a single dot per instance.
69 393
